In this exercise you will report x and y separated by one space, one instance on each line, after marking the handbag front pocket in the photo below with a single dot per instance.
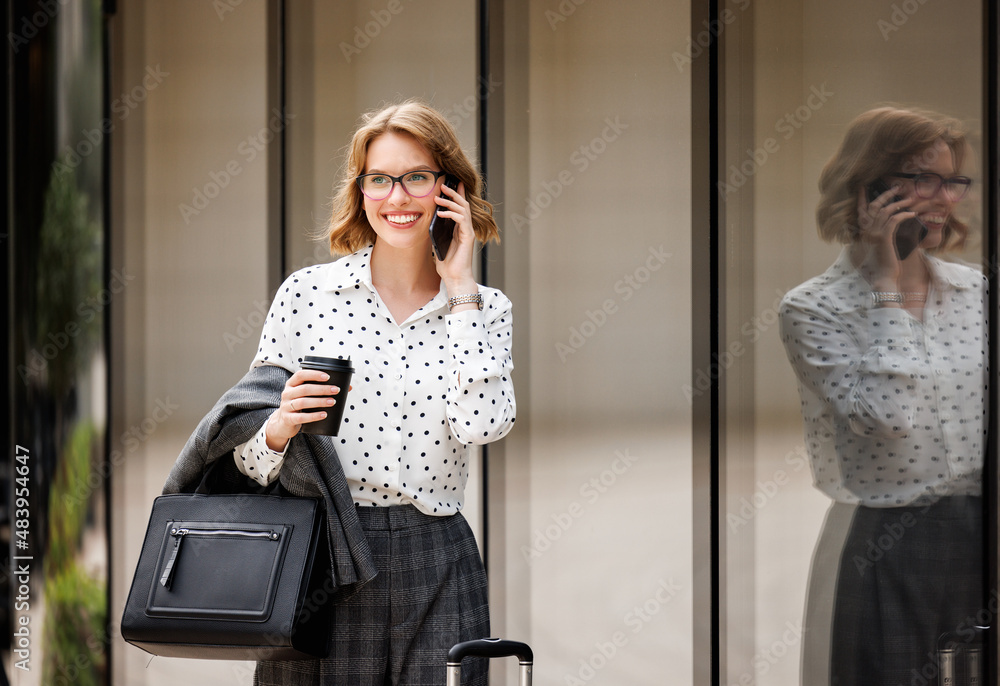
217 570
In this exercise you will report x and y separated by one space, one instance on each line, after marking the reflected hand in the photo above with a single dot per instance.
878 221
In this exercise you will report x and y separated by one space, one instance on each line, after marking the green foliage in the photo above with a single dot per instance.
68 278
75 637
69 498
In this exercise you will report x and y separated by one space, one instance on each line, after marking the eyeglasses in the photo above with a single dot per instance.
416 184
927 184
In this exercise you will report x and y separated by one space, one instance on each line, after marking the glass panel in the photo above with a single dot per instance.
596 212
348 58
53 504
597 270
855 432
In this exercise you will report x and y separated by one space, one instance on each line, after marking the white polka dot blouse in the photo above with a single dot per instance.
423 390
894 407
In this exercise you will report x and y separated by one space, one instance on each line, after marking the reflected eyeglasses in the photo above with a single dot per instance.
927 184
416 184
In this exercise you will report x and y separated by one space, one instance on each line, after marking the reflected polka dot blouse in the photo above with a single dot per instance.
423 390
894 406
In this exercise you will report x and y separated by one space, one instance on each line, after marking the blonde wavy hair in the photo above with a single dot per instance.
349 229
877 143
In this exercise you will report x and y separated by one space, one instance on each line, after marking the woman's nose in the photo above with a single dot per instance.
398 194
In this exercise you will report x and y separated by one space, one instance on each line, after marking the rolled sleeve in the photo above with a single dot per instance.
257 461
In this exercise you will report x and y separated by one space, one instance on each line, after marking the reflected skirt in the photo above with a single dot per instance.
908 579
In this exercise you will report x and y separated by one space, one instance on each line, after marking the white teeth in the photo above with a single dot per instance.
934 220
402 218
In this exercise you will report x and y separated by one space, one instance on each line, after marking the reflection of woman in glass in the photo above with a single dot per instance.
890 352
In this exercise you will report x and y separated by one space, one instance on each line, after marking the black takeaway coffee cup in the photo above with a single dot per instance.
340 371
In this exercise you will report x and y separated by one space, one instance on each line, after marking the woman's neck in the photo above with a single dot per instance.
403 271
914 274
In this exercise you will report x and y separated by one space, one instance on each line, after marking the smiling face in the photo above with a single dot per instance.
399 220
935 210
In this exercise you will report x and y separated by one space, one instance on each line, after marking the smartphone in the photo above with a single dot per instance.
910 232
442 228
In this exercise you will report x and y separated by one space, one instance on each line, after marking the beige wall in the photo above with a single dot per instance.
598 209
344 61
199 272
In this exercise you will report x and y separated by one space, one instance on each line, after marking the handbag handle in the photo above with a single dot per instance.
222 476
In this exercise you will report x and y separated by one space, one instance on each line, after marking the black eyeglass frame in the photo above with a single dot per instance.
964 181
359 179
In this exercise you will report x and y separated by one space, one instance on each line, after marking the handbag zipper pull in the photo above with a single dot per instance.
168 571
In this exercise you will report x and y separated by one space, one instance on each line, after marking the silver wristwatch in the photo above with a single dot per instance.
879 297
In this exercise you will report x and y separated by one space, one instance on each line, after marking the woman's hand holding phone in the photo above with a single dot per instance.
455 266
881 214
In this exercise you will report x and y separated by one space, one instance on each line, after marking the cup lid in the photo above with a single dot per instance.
338 363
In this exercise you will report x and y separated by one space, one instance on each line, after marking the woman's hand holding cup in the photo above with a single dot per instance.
306 389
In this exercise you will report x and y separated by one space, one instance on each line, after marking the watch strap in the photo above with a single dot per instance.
879 297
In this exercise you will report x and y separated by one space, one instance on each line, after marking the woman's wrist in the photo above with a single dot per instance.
274 441
461 287
887 299
468 301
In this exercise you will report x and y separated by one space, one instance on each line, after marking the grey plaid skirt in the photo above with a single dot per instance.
909 578
430 593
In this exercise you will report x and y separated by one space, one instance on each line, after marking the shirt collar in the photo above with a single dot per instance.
350 271
944 275
356 269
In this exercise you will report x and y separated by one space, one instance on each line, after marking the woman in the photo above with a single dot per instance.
889 347
432 354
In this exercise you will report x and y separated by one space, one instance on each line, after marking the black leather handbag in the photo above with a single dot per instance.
231 577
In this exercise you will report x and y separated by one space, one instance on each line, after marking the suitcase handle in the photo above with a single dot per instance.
490 648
